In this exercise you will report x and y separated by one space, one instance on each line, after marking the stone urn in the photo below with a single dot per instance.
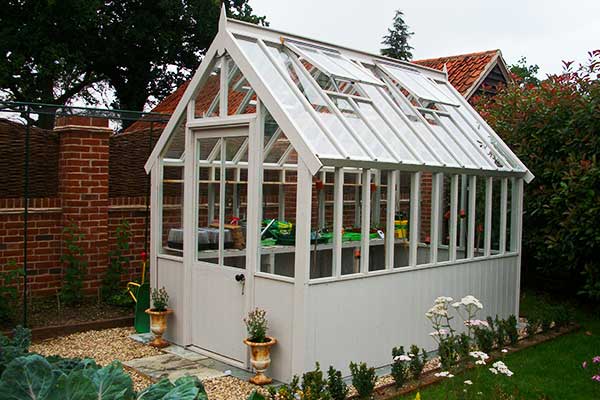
260 359
158 325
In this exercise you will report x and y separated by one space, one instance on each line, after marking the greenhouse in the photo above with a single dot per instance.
338 190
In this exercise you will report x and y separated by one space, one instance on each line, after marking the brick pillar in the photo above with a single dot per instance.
83 188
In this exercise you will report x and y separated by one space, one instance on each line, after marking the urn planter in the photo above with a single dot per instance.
158 325
260 358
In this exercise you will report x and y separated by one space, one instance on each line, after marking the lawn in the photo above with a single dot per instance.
548 371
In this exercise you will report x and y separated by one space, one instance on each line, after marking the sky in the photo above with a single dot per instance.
546 32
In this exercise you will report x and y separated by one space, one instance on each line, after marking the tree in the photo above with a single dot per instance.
553 128
148 48
140 48
525 73
397 39
43 44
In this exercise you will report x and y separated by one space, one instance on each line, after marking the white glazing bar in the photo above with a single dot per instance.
458 143
489 187
453 217
401 98
503 213
245 101
471 216
253 209
241 151
256 163
357 199
224 87
390 243
415 218
519 234
338 220
373 130
436 184
365 225
285 155
376 206
408 123
222 202
515 212
236 200
331 137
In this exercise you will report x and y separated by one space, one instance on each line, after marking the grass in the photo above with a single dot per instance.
548 371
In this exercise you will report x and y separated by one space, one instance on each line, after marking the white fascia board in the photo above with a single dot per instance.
196 82
274 36
263 92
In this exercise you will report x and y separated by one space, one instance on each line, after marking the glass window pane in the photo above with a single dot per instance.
402 220
241 97
287 100
378 247
444 218
418 85
461 231
172 211
207 101
480 217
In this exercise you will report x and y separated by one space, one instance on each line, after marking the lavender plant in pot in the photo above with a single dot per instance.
158 316
260 345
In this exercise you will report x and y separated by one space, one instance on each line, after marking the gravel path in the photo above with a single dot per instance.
104 346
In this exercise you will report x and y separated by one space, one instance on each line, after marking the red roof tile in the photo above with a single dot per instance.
464 70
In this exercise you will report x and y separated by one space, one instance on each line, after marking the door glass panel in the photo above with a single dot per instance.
234 225
209 155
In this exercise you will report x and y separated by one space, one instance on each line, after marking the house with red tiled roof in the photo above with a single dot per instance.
473 73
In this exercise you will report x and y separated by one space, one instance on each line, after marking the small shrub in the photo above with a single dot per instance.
71 292
400 366
363 379
448 353
314 387
337 387
563 316
256 325
484 338
512 333
285 391
113 291
463 346
255 396
8 290
417 362
533 325
546 318
160 299
498 328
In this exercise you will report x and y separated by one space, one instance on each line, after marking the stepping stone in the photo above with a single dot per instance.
173 367
184 353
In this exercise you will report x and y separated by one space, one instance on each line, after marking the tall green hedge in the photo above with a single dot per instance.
554 128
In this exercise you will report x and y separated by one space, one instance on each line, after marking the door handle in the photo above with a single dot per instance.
240 278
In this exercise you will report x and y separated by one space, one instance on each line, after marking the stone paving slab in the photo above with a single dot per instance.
173 367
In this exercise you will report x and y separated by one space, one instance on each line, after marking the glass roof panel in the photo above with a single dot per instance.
290 103
405 131
317 100
334 64
418 84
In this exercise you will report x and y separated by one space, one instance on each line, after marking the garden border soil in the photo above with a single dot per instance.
388 391
61 330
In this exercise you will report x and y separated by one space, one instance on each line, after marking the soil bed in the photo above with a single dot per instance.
45 313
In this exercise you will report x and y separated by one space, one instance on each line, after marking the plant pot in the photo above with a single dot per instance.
260 359
158 325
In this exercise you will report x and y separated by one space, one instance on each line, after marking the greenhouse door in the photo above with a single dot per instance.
219 272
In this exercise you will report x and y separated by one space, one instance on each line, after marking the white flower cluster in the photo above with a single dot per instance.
402 357
500 368
440 332
444 374
468 301
468 382
440 307
480 356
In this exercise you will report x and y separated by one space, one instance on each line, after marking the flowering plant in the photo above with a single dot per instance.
256 325
160 299
593 366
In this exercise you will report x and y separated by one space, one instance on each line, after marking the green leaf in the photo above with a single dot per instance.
75 386
256 396
29 377
185 388
111 382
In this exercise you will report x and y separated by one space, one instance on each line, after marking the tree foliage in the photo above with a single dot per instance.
524 73
57 50
396 40
554 129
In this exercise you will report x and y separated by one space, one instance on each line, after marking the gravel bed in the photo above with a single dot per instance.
229 388
104 346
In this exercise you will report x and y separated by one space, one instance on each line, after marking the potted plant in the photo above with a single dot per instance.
158 316
260 345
